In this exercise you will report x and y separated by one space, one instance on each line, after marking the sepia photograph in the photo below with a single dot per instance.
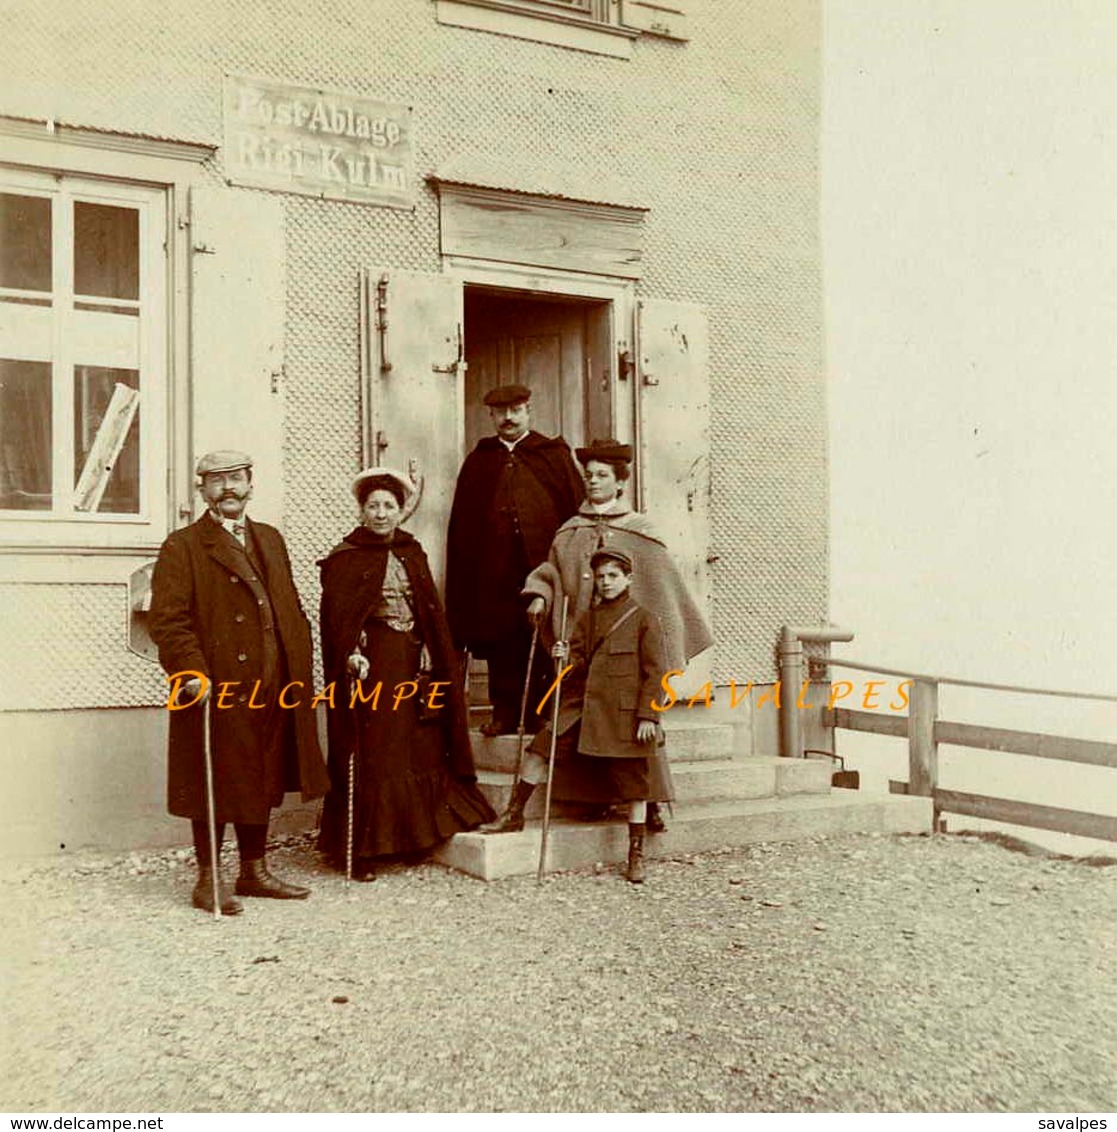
556 557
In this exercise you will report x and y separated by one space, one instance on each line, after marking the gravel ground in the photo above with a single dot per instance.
849 974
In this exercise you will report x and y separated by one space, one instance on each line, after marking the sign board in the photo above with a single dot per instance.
320 143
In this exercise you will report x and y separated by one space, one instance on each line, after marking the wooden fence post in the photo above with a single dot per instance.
923 751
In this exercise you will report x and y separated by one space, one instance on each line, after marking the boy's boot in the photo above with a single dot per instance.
636 872
512 820
655 822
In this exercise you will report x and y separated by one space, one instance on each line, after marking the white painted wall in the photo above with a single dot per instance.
970 242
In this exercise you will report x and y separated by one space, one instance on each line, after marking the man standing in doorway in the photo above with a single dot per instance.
224 608
514 491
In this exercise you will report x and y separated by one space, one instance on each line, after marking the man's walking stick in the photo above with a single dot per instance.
211 810
554 744
523 703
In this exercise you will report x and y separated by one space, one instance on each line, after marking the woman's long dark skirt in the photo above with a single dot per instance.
405 799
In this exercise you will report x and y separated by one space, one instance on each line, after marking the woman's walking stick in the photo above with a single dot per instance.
523 704
554 744
211 811
350 787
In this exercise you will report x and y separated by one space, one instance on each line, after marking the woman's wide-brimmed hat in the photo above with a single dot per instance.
391 475
607 451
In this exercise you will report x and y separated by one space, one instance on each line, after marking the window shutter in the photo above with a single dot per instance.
238 306
667 20
416 375
674 437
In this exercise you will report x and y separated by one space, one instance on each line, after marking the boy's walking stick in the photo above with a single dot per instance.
211 811
551 754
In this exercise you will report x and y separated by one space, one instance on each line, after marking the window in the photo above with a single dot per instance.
604 27
83 366
596 10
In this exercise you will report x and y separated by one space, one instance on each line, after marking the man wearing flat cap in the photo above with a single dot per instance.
224 605
514 491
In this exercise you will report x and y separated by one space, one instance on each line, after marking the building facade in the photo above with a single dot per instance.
318 234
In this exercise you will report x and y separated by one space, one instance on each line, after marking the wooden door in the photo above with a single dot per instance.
540 344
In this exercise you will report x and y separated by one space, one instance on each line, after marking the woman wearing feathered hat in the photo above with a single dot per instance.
383 624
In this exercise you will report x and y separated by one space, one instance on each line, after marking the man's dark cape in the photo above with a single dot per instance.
548 459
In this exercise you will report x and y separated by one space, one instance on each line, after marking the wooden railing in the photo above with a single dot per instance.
924 732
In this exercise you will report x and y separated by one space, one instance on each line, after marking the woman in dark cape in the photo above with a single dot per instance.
382 623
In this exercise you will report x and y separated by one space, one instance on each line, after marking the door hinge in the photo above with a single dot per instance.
459 362
382 322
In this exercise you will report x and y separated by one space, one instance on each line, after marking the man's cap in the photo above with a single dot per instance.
507 395
382 473
607 451
607 554
224 460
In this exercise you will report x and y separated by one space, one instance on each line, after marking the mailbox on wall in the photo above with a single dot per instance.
139 607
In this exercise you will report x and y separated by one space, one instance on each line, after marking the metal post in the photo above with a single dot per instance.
790 652
791 676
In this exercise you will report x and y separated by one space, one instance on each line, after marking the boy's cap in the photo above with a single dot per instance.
605 554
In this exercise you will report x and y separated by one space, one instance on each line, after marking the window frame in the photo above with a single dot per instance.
45 546
601 27
66 524
542 21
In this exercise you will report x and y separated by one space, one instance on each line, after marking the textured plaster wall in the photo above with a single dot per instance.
718 137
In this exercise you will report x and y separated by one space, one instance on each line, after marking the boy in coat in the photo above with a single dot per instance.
607 724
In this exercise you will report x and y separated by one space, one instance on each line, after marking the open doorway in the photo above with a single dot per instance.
559 347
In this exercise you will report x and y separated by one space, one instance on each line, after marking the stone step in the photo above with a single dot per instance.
695 828
724 779
685 743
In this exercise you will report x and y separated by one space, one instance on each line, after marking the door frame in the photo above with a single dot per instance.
619 293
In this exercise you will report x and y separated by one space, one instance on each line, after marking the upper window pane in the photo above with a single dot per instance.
25 244
106 251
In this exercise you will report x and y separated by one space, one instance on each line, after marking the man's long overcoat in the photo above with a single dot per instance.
211 613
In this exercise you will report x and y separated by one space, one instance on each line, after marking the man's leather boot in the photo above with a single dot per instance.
202 896
636 873
255 880
512 820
